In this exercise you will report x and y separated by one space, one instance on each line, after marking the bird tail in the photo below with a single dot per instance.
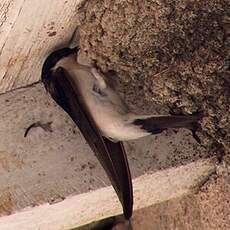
157 124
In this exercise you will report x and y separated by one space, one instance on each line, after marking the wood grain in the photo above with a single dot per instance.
29 30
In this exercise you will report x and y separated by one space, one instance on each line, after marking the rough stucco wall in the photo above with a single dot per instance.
167 52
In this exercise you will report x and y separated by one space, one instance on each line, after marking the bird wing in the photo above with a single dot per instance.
112 156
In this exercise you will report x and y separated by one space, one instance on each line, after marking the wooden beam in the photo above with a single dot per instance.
85 208
29 30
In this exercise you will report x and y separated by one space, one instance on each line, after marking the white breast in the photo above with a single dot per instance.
108 110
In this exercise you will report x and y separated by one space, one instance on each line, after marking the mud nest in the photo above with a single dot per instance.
173 53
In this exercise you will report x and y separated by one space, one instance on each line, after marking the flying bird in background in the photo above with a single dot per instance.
103 117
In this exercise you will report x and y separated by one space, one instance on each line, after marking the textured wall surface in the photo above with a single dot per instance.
173 53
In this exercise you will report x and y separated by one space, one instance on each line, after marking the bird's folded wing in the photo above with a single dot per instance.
111 155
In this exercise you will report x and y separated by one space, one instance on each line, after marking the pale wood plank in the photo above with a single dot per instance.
85 208
29 30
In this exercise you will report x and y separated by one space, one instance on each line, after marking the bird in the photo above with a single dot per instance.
103 117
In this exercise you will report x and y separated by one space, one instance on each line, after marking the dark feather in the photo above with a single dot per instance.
157 124
111 79
120 161
53 58
111 155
